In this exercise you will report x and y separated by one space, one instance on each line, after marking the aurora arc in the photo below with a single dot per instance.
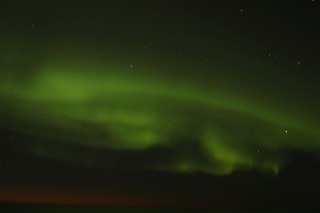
125 112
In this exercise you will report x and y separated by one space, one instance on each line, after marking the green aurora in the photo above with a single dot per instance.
100 108
161 104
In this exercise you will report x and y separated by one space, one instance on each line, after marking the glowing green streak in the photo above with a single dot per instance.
123 112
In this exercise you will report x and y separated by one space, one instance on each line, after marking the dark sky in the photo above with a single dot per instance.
160 103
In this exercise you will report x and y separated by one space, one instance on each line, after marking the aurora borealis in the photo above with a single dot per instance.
157 103
111 112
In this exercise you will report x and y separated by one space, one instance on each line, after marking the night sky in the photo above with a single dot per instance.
160 103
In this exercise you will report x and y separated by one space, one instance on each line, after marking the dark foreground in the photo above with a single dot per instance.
26 208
